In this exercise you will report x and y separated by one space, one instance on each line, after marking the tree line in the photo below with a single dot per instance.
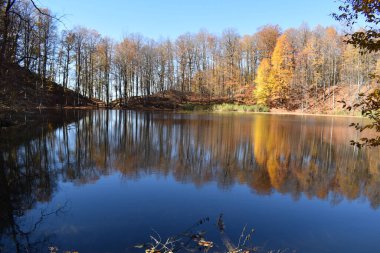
295 67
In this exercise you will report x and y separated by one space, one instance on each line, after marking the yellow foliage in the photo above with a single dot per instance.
263 86
275 75
282 70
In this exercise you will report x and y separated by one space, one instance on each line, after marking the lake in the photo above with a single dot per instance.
104 181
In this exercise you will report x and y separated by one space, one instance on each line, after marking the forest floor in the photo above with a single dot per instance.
21 92
173 100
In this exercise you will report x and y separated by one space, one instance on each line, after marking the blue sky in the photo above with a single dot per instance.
169 18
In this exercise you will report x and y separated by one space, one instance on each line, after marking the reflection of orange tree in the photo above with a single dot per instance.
265 152
314 159
271 149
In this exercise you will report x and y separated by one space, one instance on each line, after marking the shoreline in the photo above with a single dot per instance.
312 114
12 112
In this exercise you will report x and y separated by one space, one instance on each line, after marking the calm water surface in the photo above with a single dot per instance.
102 181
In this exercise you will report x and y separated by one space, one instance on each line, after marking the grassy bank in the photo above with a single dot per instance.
225 107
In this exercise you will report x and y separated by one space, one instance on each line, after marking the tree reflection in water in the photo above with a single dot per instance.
29 176
287 154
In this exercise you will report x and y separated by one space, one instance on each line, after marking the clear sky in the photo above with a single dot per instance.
170 18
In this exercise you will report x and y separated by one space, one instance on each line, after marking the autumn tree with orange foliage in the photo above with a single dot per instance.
263 85
282 70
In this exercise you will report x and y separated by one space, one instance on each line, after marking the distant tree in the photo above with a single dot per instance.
181 49
266 40
46 42
249 57
67 46
350 12
231 60
6 10
303 72
282 70
10 15
263 85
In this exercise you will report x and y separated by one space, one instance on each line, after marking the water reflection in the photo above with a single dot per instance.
287 154
29 176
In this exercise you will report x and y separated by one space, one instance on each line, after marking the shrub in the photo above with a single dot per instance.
240 108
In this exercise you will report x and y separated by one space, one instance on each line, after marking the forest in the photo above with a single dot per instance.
298 68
